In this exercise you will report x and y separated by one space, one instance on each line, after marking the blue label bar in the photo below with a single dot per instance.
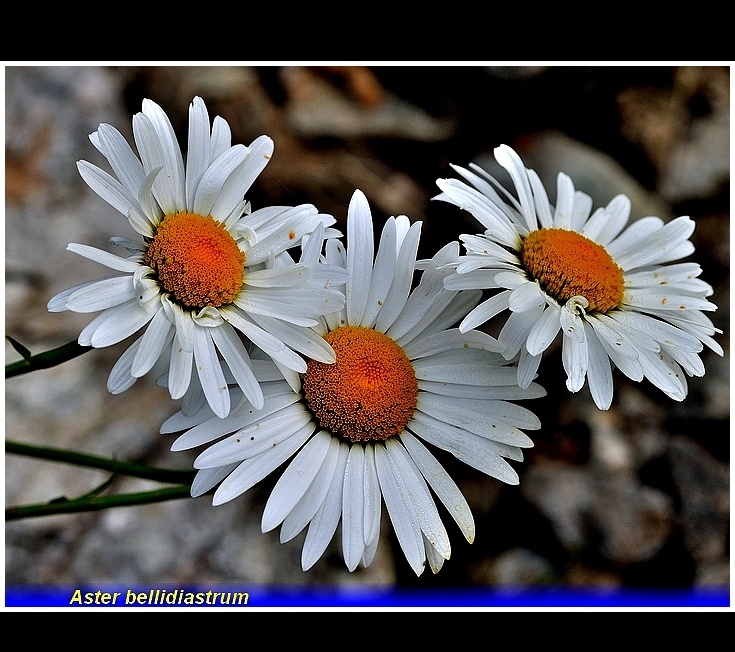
122 596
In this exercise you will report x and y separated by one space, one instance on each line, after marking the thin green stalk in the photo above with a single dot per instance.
118 467
95 503
43 360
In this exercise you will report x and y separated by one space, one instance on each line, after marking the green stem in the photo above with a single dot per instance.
46 359
95 503
173 476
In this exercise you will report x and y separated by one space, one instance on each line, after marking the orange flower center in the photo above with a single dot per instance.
196 260
369 393
566 264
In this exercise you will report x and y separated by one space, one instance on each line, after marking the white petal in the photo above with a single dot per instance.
292 377
402 280
665 244
172 186
254 469
659 330
133 246
157 336
527 367
115 324
182 351
353 508
544 331
497 420
206 479
275 348
442 484
418 497
428 299
479 279
485 311
571 322
108 188
403 225
278 277
360 252
151 213
325 521
198 148
541 200
616 216
295 481
221 139
104 258
699 325
120 378
515 330
313 498
243 421
620 322
690 362
210 372
664 298
433 556
509 392
370 549
184 420
564 202
57 303
237 358
663 374
382 273
153 157
301 221
614 340
527 296
372 500
510 279
304 340
493 216
101 294
639 231
621 352
407 530
478 373
630 366
266 433
478 452
231 221
193 400
599 372
679 274
214 179
451 340
261 152
580 211
299 305
483 252
575 360
514 166
123 161
460 304
269 219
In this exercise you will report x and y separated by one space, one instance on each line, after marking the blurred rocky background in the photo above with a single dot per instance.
633 498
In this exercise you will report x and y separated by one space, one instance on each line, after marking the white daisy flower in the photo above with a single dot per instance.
357 432
206 270
609 290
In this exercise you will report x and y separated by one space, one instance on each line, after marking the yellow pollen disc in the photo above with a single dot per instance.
369 393
196 260
566 264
